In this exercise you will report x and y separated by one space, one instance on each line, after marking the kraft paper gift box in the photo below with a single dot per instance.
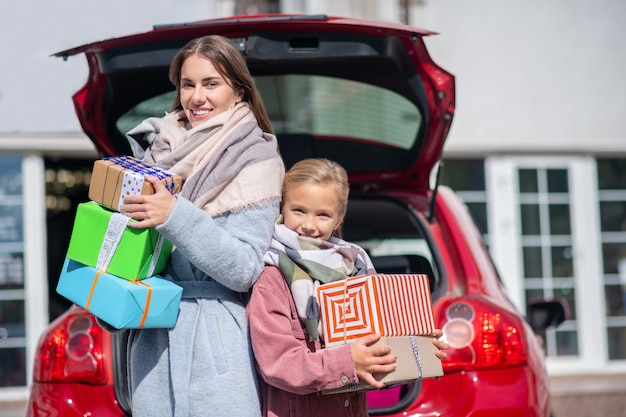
385 304
116 177
149 303
416 360
139 253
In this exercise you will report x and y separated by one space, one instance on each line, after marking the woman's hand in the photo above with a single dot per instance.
151 210
372 359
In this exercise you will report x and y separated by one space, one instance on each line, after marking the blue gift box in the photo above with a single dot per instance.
149 303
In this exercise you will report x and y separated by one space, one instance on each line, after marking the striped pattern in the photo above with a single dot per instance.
390 305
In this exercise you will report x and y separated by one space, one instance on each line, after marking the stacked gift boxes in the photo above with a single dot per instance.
396 306
112 270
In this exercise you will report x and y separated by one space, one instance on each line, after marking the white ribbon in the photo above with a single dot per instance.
156 254
115 230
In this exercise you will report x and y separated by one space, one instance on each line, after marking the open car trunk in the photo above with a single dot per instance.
365 94
397 242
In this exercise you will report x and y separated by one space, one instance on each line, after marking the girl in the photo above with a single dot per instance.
219 139
282 308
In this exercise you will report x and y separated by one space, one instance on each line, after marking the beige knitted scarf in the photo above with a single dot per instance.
227 163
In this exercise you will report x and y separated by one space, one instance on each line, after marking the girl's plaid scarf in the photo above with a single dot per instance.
307 262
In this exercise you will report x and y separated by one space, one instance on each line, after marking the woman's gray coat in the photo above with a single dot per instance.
206 358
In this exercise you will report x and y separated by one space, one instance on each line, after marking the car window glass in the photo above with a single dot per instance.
328 106
155 106
319 106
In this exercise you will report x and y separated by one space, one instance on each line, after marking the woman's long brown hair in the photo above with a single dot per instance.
231 65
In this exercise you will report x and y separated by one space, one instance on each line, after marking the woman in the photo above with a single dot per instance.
219 139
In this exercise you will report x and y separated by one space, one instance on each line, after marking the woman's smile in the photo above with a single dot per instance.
204 92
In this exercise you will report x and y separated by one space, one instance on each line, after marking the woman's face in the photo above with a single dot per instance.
204 92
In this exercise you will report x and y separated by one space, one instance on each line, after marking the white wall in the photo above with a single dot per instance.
36 89
532 75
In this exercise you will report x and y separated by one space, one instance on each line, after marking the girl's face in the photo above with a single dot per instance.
312 210
204 93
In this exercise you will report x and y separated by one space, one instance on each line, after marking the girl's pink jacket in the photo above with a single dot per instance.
293 369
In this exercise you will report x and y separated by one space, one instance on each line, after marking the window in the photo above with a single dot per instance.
612 208
327 106
319 106
547 255
467 178
67 185
12 295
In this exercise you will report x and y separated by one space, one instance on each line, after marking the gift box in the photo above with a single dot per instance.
416 360
139 253
386 304
149 303
116 177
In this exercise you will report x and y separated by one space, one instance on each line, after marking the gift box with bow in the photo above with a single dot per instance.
396 306
149 303
416 360
116 177
100 236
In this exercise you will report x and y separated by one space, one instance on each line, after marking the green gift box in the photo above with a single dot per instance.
132 254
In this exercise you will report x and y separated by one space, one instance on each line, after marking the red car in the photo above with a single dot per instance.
368 95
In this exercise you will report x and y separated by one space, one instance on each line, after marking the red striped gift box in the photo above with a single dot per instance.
387 304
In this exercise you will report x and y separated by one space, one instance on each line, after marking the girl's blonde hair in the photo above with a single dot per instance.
320 171
231 65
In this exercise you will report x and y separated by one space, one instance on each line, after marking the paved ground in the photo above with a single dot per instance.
12 409
571 396
588 396
590 405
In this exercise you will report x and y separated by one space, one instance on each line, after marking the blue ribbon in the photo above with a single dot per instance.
140 167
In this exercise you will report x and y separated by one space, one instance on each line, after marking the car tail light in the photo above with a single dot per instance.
73 350
480 335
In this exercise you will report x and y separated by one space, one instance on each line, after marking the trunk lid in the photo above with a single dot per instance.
363 93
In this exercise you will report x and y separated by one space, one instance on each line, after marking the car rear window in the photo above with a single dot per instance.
320 106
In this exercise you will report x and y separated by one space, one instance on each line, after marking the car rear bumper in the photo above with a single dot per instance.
513 392
72 400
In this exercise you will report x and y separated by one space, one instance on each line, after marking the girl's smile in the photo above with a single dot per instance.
312 210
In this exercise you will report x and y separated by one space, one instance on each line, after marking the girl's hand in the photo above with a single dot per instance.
372 359
151 210
440 344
